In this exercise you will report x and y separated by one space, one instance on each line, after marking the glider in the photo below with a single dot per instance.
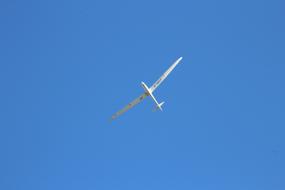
149 91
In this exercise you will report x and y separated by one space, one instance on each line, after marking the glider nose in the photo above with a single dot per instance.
143 85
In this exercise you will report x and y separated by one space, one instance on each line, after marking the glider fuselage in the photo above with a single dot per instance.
149 93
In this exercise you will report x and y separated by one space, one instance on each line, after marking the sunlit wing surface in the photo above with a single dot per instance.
130 105
159 81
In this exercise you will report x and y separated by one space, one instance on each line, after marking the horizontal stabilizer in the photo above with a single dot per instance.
160 105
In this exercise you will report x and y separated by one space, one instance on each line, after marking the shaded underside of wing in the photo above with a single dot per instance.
130 105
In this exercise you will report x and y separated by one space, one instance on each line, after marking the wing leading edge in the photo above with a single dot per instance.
130 105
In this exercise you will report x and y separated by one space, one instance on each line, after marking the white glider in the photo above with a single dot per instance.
148 92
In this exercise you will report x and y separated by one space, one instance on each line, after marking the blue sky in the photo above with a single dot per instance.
67 66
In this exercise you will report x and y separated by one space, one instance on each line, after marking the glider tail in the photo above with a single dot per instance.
159 106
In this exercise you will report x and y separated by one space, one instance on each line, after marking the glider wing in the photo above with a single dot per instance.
130 105
159 81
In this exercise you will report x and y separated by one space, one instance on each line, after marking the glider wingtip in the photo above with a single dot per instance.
180 58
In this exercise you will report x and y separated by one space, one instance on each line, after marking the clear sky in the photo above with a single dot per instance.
66 66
